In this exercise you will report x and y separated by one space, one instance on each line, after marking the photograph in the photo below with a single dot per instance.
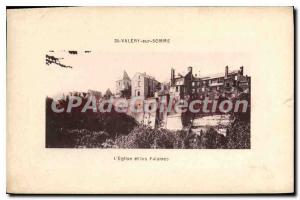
149 100
169 110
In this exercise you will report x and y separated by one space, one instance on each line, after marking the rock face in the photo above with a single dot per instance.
218 122
174 122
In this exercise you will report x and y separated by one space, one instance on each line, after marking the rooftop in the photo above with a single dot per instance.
125 76
145 75
218 75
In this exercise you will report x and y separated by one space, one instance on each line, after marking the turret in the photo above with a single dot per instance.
226 72
172 76
242 70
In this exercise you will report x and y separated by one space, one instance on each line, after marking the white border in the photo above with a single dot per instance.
5 3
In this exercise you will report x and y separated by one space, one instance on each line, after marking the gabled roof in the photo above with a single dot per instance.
108 92
125 75
182 74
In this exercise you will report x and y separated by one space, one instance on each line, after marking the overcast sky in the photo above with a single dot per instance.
99 70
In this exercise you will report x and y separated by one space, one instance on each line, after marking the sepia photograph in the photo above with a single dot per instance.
168 109
150 100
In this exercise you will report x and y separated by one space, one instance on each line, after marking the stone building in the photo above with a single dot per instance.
181 83
229 84
143 85
123 86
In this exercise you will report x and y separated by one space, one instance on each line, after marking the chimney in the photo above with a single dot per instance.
190 69
226 71
172 76
242 70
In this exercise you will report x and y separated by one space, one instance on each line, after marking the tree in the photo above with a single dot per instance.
107 94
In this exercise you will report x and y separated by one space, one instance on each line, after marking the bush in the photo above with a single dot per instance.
76 129
77 138
118 130
211 139
238 135
146 137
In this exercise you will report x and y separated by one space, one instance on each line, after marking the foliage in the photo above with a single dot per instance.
77 138
146 137
118 130
238 134
88 125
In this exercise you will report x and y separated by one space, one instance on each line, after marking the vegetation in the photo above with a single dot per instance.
76 128
118 130
146 137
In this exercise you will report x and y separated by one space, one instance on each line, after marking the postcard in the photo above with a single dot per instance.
150 100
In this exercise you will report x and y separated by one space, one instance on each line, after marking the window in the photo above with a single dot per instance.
139 83
234 83
177 88
193 83
138 93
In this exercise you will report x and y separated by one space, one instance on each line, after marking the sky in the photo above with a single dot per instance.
99 70
206 39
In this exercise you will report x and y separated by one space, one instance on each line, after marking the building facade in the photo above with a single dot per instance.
180 85
143 85
228 84
123 86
